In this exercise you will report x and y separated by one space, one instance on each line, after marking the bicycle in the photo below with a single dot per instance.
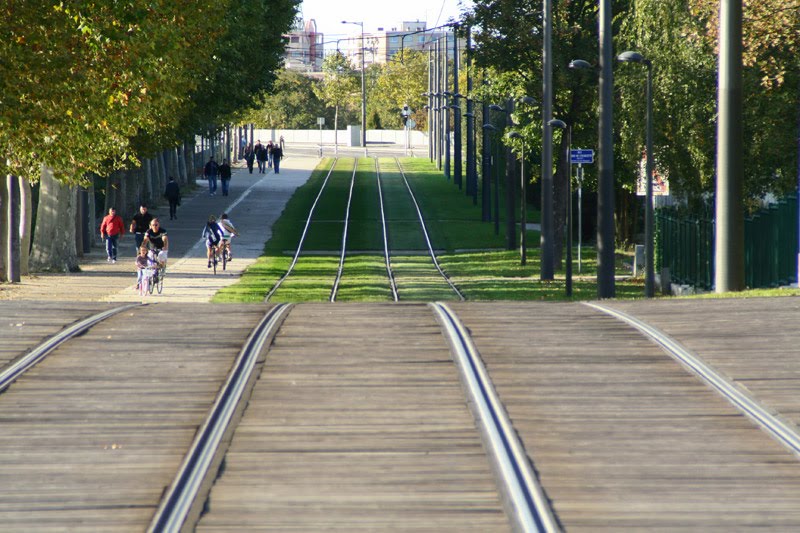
145 287
216 258
159 271
158 279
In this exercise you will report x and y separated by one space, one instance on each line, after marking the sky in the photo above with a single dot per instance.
375 14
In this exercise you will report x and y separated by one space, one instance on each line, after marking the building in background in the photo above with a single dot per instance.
304 49
387 45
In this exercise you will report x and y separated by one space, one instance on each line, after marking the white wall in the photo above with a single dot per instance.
418 138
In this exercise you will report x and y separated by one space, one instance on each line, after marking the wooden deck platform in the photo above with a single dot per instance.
621 435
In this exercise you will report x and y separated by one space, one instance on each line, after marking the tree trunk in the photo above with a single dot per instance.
4 210
560 202
54 243
25 223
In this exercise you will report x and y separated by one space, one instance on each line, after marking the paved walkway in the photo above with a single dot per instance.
254 204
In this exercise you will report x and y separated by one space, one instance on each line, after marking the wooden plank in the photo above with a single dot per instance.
95 432
620 434
357 423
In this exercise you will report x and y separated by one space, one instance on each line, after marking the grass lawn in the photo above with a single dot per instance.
469 251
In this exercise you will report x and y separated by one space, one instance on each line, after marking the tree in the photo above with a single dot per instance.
340 87
291 104
402 83
681 43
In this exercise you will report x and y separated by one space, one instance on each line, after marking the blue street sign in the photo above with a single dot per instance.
581 156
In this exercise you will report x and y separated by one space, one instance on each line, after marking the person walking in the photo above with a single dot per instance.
225 176
173 195
249 156
261 157
140 223
210 172
270 148
111 229
277 155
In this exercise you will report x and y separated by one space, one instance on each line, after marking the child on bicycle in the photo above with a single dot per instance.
228 232
213 236
143 262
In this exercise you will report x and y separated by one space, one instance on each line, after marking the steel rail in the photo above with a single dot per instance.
525 501
743 401
425 232
303 235
389 272
338 279
184 499
23 364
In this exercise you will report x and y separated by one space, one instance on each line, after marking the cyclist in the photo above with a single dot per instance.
156 238
213 236
228 233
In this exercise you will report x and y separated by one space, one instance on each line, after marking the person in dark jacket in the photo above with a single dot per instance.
277 155
261 157
249 156
225 176
173 195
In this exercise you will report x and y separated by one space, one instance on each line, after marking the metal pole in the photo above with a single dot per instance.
430 104
580 214
605 180
486 157
523 215
446 109
496 165
457 178
568 285
511 224
729 257
472 175
649 272
363 95
546 239
438 104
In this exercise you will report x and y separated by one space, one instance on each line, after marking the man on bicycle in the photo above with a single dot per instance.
213 236
228 232
156 237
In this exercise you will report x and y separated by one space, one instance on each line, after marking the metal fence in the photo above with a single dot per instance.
685 245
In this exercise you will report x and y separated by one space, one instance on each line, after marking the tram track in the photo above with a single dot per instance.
303 235
17 368
358 408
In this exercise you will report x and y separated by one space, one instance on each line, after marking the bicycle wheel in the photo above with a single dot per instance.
224 258
160 284
152 281
214 262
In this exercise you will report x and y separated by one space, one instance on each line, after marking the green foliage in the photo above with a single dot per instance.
92 88
398 84
680 40
291 104
340 88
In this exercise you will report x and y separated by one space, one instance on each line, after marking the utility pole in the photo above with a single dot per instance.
729 256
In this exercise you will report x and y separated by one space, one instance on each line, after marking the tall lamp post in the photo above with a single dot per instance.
649 274
556 123
492 169
363 90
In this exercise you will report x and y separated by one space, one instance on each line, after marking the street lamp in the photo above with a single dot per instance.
495 107
488 127
556 123
649 274
523 241
523 217
363 90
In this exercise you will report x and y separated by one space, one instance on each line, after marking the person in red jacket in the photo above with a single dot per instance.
111 229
